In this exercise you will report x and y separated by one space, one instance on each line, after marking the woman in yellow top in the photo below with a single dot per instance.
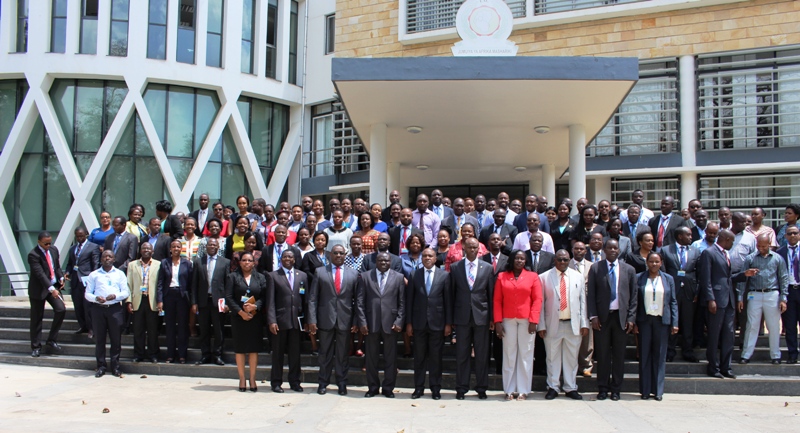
134 225
235 242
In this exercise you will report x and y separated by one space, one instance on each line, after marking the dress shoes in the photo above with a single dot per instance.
90 334
117 373
792 361
205 360
81 331
416 394
482 395
53 345
322 390
729 375
602 395
717 374
388 394
776 362
342 390
218 360
658 398
459 396
137 360
154 360
36 352
100 372
614 396
296 388
551 394
574 395
690 358
744 361
370 394
645 397
277 389
436 395
670 358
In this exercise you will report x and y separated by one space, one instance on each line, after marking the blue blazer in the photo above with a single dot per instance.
670 314
184 278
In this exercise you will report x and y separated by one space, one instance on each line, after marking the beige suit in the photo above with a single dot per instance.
563 338
586 352
135 284
145 315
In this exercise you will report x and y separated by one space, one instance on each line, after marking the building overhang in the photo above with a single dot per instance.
479 113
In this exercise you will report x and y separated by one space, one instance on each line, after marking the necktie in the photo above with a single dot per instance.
210 268
661 231
497 229
337 280
439 212
278 250
403 238
78 250
421 224
683 257
494 263
795 265
50 265
596 257
290 277
633 230
116 243
727 257
381 280
458 229
480 219
471 275
612 282
562 292
428 282
535 261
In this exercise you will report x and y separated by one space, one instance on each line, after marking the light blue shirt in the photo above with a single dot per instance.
102 283
701 245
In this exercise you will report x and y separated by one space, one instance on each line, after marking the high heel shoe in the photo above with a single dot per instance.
253 386
242 387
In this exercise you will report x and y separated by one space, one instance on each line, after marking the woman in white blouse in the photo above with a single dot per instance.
656 320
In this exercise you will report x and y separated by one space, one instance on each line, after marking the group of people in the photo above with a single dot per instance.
534 287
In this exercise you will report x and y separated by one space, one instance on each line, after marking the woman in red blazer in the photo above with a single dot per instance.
517 305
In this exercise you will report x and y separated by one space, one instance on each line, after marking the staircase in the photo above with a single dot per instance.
757 378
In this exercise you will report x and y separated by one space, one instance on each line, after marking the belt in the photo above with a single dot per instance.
175 287
763 290
107 305
564 320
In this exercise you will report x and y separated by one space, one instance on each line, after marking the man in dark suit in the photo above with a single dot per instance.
124 245
286 292
611 302
700 224
680 262
399 235
382 244
531 206
331 315
429 316
498 261
381 312
159 241
718 294
507 232
201 215
171 224
45 285
791 255
457 219
208 288
663 226
439 208
473 290
271 254
83 258
480 213
633 225
536 259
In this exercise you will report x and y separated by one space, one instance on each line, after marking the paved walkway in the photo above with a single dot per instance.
57 400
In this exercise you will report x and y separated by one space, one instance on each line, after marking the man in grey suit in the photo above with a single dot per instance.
586 351
286 292
562 324
381 312
124 245
611 304
680 261
473 290
429 316
82 259
208 288
457 219
331 315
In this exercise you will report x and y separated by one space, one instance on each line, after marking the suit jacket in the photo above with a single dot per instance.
561 240
135 277
598 296
285 304
394 235
551 283
379 312
475 303
450 221
370 262
487 218
127 249
546 261
198 231
626 230
184 278
200 281
670 314
675 221
311 262
624 243
714 278
431 311
39 280
447 212
502 259
521 222
685 285
696 234
88 261
586 266
173 227
507 231
161 248
327 309
266 262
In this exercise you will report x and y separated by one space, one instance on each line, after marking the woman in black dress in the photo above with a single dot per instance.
246 318
318 257
638 258
562 227
586 226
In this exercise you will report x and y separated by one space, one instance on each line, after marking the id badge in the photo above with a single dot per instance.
302 290
221 305
144 289
654 308
75 268
681 273
244 299
751 296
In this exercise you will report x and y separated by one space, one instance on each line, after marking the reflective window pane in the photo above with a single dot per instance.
214 50
215 15
88 36
62 94
180 131
207 107
119 10
89 116
157 42
119 185
185 51
119 39
247 57
158 12
260 131
155 98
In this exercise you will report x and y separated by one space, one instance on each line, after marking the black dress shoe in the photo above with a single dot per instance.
53 345
776 362
137 360
744 361
729 375
36 352
100 372
614 396
645 397
670 358
296 388
416 394
117 373
718 375
81 331
388 394
658 398
482 395
551 394
370 394
205 360
342 390
792 361
574 395
154 360
219 361
689 358
459 396
322 390
602 395
277 389
436 395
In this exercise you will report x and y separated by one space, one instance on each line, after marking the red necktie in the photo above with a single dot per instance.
661 232
337 280
494 263
562 292
403 239
50 264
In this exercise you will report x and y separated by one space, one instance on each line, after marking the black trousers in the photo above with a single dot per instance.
176 322
37 315
609 350
286 342
720 335
333 351
497 353
428 347
107 322
145 330
653 336
210 321
686 309
790 318
373 344
83 310
469 336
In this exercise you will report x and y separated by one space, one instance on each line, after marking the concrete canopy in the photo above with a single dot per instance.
479 113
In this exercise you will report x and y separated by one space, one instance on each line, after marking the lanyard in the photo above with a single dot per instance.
654 283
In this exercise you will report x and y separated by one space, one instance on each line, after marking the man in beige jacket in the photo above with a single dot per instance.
143 304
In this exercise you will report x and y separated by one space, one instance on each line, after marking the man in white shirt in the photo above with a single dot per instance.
710 238
107 289
523 240
502 203
646 214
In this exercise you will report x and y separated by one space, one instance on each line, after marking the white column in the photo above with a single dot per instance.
377 162
602 188
137 25
392 182
688 104
549 182
103 27
173 9
577 162
232 36
534 183
38 28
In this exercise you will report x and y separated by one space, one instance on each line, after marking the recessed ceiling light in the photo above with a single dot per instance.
544 129
520 168
414 129
422 167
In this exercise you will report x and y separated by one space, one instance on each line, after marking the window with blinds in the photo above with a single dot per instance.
770 191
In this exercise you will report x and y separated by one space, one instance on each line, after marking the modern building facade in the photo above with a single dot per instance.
104 103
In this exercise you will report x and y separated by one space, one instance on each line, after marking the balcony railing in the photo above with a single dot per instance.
424 15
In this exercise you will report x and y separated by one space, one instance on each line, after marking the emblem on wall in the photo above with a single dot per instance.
484 27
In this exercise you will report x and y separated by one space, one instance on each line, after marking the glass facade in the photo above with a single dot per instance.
214 40
118 44
293 43
12 93
88 27
267 125
248 32
157 30
22 26
272 38
58 26
186 32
